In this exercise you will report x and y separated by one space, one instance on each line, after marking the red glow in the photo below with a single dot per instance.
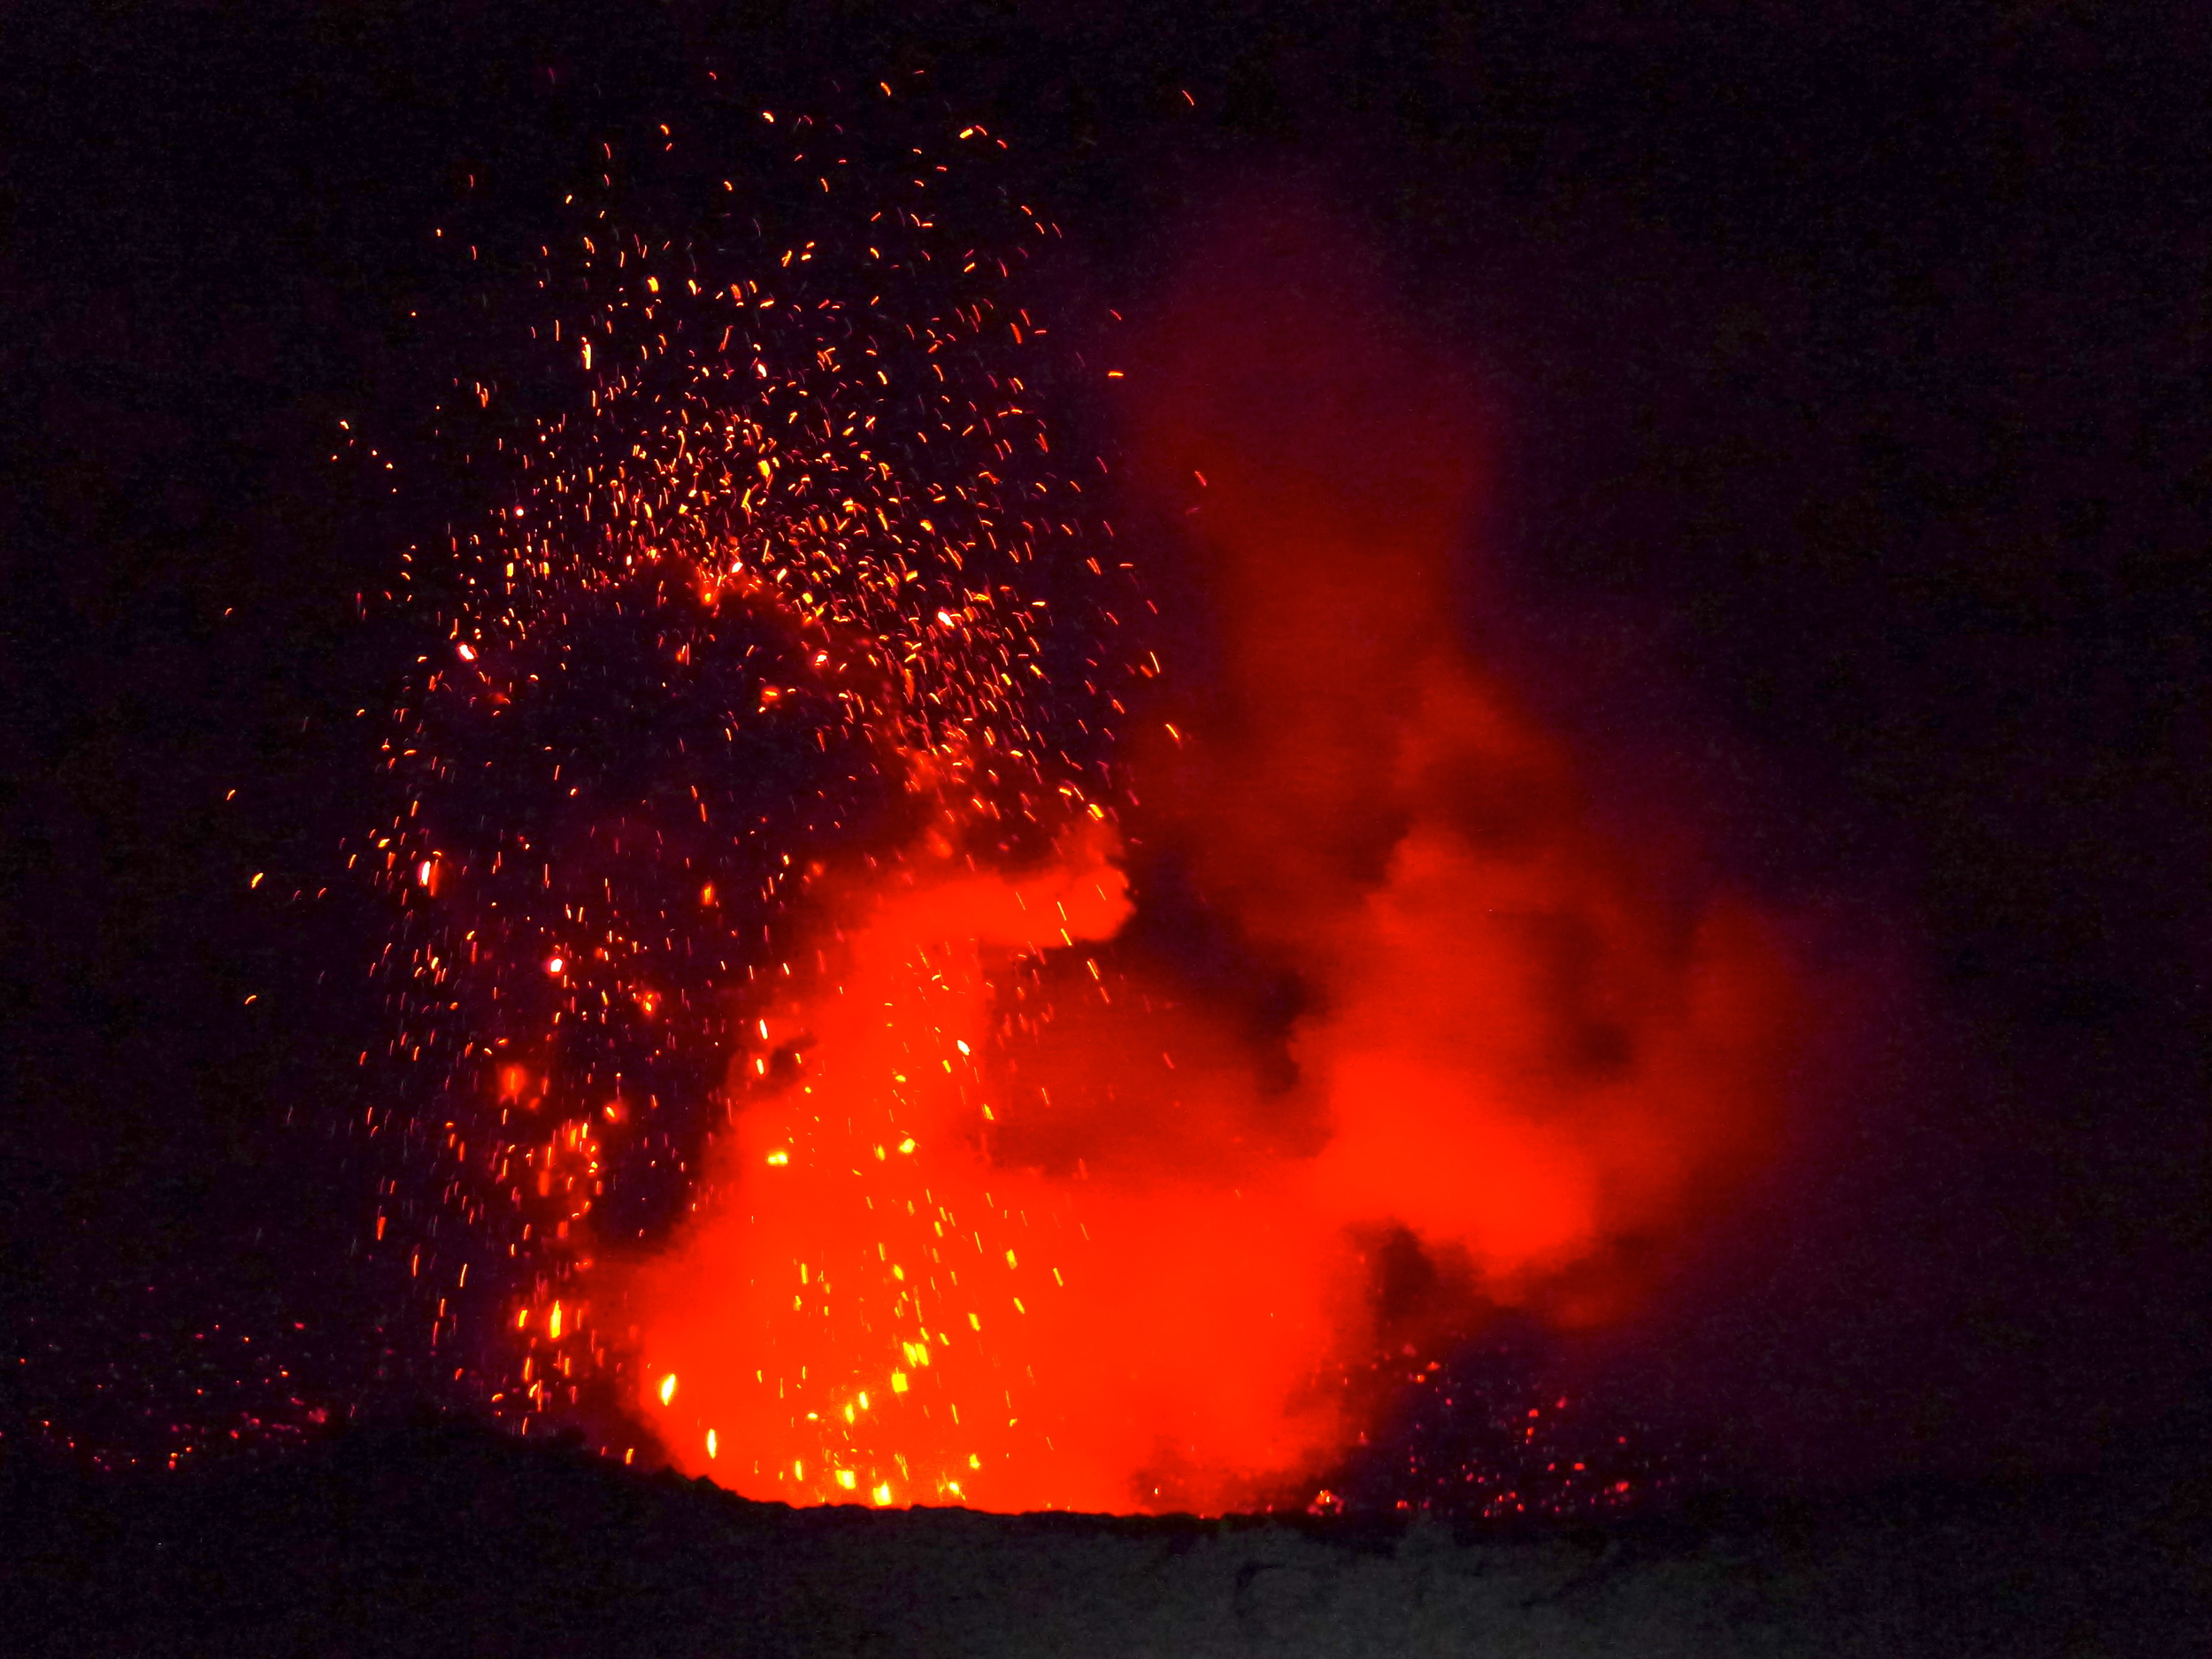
997 1224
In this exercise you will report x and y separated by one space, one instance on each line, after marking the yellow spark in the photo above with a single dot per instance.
898 1382
668 1387
848 1480
712 1450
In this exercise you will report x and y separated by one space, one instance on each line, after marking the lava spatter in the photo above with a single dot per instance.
753 605
809 1112
1157 1245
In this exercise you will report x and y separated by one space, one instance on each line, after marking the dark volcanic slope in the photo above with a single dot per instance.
445 1538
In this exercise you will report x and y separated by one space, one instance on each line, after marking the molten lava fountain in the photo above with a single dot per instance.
832 1118
1011 1217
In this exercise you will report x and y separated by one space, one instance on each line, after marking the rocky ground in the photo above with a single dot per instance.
446 1538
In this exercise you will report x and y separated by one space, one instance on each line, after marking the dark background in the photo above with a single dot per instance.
1850 368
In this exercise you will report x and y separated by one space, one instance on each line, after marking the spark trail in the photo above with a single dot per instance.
754 607
805 1091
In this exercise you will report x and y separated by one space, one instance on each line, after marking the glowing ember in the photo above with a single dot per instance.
761 589
1527 1052
780 961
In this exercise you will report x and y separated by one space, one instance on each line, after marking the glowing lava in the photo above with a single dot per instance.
987 1240
823 1078
883 1306
753 597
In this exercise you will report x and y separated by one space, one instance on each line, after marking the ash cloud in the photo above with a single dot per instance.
1399 1033
1540 1050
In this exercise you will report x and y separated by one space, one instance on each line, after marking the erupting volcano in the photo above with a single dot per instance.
1031 1219
901 1046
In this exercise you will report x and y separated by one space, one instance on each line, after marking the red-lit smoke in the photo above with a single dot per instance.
1018 1213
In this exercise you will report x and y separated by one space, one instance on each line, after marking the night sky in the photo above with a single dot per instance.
1846 372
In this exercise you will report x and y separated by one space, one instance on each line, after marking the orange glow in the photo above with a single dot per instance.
791 526
947 1325
797 914
1123 1261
